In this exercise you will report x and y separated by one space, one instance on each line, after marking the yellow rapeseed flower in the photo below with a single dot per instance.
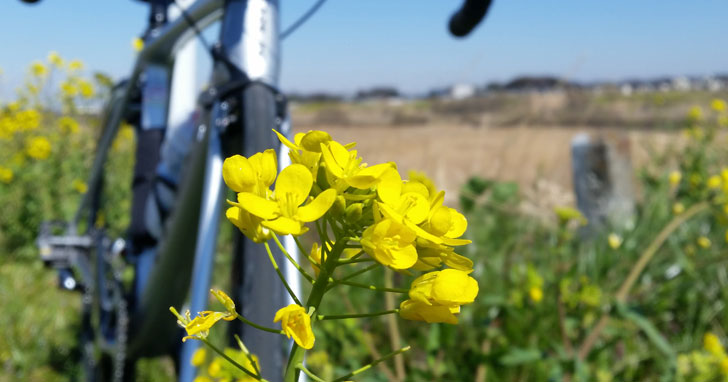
678 208
674 178
703 242
614 240
347 170
390 243
198 358
38 69
80 186
718 105
566 214
285 213
75 65
437 296
724 365
297 324
55 59
536 294
6 175
712 344
137 44
38 148
226 301
68 125
86 88
695 114
68 89
714 182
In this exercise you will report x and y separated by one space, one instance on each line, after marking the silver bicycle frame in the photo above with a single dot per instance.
249 38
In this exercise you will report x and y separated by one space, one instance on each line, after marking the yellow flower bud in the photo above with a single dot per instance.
536 294
614 240
678 208
704 242
674 178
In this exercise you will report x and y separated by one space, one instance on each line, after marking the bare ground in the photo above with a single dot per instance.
537 158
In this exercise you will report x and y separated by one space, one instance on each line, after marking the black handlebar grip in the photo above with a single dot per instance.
468 17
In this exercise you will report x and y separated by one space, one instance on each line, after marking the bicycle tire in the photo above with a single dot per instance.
252 276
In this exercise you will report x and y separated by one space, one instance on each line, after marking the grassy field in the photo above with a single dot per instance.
553 304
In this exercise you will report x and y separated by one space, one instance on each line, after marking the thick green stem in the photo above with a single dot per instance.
314 300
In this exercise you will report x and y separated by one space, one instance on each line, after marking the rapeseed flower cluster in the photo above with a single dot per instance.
708 364
361 212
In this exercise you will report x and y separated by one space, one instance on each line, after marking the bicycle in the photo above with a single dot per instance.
235 115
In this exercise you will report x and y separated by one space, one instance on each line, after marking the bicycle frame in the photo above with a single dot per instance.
249 39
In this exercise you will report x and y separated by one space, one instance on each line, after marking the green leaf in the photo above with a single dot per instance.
650 330
518 356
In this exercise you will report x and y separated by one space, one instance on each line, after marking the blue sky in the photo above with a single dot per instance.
351 44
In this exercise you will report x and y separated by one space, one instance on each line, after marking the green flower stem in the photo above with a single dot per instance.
354 261
369 366
303 250
292 260
356 315
371 287
354 274
280 275
260 327
314 300
239 366
359 272
247 354
309 373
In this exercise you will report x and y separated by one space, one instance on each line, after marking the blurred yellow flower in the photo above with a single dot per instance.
80 186
28 119
6 175
678 208
714 182
704 242
55 59
566 214
712 344
68 125
674 178
214 369
137 44
536 294
86 88
75 65
38 69
297 324
614 240
68 89
198 358
695 114
724 365
38 148
718 105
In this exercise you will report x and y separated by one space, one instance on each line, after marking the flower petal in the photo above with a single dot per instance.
285 226
368 176
317 207
266 166
260 207
390 187
334 167
413 310
312 140
459 262
285 141
294 182
238 173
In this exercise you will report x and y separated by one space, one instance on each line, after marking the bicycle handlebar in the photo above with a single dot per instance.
468 17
